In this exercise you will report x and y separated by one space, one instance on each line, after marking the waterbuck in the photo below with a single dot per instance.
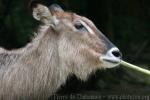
65 44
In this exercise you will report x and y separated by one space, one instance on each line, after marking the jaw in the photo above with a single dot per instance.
83 72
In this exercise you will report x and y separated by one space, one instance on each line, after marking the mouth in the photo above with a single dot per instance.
110 62
114 61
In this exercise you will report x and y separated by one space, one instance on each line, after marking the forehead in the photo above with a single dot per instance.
73 17
65 15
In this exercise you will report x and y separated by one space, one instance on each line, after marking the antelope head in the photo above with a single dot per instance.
82 48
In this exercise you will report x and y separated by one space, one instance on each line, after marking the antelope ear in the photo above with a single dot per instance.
41 13
54 8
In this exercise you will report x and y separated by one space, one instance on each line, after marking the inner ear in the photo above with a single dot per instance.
54 8
41 13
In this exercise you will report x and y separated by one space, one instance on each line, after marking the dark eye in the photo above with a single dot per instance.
79 26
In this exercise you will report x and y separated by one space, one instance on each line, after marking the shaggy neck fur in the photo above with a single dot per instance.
35 73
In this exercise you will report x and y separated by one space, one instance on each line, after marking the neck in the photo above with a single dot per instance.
38 72
50 74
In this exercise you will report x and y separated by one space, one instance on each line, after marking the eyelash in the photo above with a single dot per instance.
79 26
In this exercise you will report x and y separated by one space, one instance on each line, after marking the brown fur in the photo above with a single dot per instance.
40 68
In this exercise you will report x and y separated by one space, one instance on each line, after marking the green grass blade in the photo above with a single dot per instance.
142 70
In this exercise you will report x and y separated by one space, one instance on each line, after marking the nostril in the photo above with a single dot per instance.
117 54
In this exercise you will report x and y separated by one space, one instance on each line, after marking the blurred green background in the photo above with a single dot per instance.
125 22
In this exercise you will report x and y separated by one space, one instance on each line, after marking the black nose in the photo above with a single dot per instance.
116 53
